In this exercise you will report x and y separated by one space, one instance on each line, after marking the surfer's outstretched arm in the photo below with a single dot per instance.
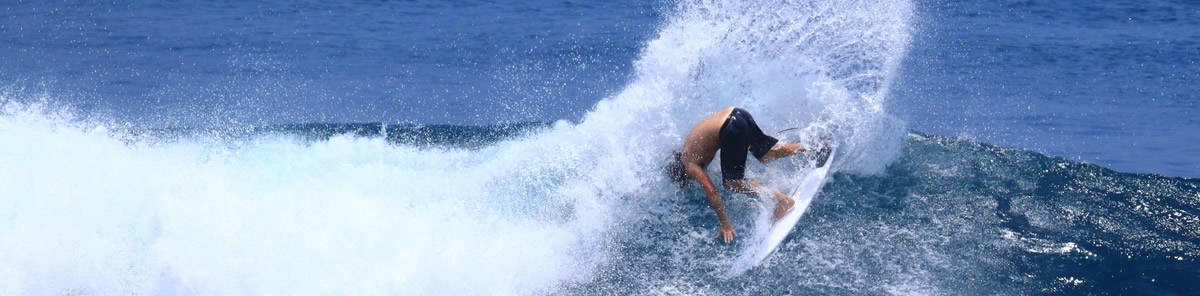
714 199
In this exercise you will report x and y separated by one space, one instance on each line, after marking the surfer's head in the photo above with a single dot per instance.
675 170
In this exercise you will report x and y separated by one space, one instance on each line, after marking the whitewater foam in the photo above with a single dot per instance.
89 213
92 212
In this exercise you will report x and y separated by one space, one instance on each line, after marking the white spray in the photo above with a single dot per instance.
87 213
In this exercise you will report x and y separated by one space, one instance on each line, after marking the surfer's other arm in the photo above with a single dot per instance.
696 172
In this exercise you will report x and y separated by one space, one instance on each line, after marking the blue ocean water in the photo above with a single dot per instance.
248 63
1109 82
1106 83
516 147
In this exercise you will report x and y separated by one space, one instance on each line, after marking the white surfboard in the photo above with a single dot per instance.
767 236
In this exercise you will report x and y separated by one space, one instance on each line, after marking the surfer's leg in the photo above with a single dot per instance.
781 150
783 202
734 144
760 144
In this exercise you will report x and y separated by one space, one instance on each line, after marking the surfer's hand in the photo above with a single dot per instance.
726 232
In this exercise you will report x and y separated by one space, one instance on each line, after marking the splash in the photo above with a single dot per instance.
90 212
822 66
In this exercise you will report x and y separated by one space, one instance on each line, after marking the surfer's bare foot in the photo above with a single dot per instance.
783 205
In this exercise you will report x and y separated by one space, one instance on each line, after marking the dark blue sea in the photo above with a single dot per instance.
518 147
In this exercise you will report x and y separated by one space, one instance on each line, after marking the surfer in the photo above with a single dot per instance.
733 132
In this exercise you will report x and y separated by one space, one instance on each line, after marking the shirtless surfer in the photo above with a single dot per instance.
733 132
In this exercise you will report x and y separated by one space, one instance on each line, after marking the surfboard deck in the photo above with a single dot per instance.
766 239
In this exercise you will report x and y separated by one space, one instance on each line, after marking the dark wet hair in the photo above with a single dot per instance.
675 169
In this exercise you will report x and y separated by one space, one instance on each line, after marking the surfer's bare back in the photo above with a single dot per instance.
733 132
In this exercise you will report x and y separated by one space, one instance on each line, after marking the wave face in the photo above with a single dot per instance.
312 209
949 217
577 208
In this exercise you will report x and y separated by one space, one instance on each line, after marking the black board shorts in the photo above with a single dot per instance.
738 135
